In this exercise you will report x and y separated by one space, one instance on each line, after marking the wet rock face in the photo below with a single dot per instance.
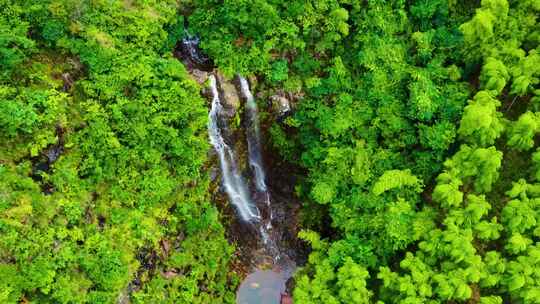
267 238
230 99
189 52
53 153
197 63
44 162
68 81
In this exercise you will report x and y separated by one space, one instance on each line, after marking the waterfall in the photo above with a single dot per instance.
234 184
191 47
253 136
191 55
254 145
237 188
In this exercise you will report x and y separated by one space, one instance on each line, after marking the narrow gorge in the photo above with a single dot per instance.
261 228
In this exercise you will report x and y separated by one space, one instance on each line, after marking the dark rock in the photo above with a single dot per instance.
214 174
101 222
190 54
53 153
286 299
280 105
68 81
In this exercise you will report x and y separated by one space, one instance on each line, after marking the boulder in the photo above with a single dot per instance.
280 105
199 76
229 95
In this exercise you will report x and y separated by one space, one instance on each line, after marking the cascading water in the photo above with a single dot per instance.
253 135
233 182
192 57
261 286
272 281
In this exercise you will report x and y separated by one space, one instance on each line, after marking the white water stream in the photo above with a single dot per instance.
234 183
255 155
253 136
261 286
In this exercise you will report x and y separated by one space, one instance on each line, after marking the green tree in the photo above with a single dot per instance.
521 133
481 122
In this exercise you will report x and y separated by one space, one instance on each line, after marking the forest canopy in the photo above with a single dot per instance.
413 134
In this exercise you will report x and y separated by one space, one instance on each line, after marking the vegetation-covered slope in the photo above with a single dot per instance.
385 111
102 140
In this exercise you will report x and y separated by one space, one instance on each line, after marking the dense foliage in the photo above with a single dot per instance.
415 123
416 126
102 140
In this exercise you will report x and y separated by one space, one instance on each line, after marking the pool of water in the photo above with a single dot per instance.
262 287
